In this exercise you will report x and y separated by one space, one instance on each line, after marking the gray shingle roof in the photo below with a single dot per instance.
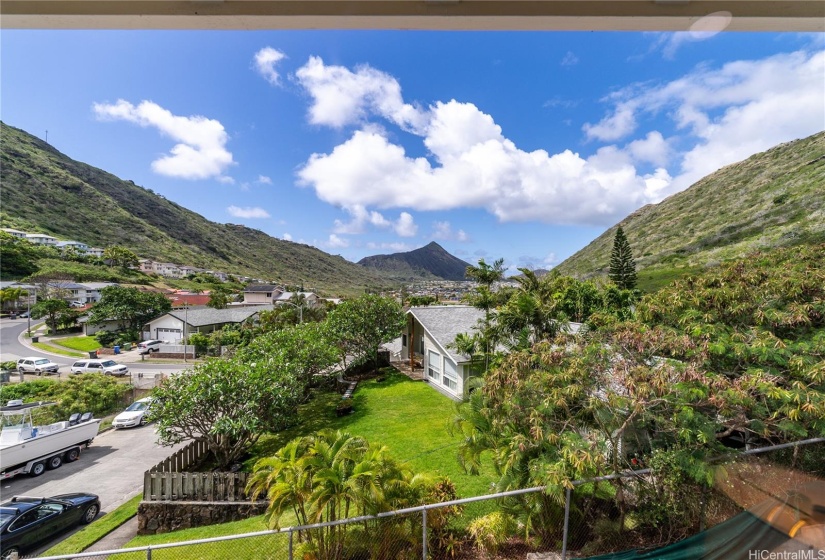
262 288
203 316
444 322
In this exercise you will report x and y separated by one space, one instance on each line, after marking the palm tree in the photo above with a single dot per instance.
485 298
12 295
333 475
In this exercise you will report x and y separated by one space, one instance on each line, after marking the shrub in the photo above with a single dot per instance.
106 338
491 531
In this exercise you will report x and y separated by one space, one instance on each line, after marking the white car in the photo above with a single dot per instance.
149 346
38 366
134 415
106 367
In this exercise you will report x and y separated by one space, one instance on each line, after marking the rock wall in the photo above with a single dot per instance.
162 517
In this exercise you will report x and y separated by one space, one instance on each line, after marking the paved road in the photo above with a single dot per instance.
12 347
112 467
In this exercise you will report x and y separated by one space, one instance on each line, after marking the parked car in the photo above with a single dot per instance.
78 304
38 366
149 346
24 315
134 415
106 367
26 522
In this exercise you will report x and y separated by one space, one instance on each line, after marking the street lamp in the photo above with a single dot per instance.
29 309
185 322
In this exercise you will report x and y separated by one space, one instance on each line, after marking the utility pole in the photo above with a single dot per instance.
185 322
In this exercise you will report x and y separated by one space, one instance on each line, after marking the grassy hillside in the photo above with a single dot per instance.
772 199
46 191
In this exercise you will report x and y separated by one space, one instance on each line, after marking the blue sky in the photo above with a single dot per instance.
522 145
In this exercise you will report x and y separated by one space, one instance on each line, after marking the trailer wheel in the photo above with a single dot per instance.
38 469
71 455
54 462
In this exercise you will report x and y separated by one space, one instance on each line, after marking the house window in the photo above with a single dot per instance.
450 379
403 341
433 365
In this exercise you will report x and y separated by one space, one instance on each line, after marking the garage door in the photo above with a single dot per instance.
170 336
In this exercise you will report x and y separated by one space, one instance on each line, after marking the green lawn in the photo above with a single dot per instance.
409 417
48 347
80 343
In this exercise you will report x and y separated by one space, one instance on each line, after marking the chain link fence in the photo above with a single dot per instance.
782 486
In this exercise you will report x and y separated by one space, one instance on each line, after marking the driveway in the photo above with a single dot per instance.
112 467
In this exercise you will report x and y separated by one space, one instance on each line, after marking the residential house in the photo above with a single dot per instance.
426 339
310 299
77 245
173 326
96 252
430 332
87 292
93 290
111 325
182 299
261 294
15 233
146 266
41 239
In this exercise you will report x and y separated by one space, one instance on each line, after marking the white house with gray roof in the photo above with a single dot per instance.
172 326
429 333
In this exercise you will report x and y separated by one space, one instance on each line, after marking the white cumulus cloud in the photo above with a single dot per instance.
444 231
264 180
265 62
719 114
341 96
287 237
336 242
247 212
201 152
405 225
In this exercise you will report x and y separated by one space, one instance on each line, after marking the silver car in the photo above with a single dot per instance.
38 366
106 367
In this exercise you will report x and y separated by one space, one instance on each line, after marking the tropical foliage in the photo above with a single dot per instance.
333 475
735 355
99 394
227 404
359 326
130 307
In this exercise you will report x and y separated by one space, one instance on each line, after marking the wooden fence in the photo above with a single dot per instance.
195 487
168 481
185 457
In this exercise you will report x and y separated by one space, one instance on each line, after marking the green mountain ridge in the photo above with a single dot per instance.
772 199
45 190
430 262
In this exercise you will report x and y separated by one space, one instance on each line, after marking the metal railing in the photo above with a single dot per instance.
281 543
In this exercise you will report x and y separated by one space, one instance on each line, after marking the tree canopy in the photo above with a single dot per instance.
226 403
736 354
622 265
120 256
130 307
359 326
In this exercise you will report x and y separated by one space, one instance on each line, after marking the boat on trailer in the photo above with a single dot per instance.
26 447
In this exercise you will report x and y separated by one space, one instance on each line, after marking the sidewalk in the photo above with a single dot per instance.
132 356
